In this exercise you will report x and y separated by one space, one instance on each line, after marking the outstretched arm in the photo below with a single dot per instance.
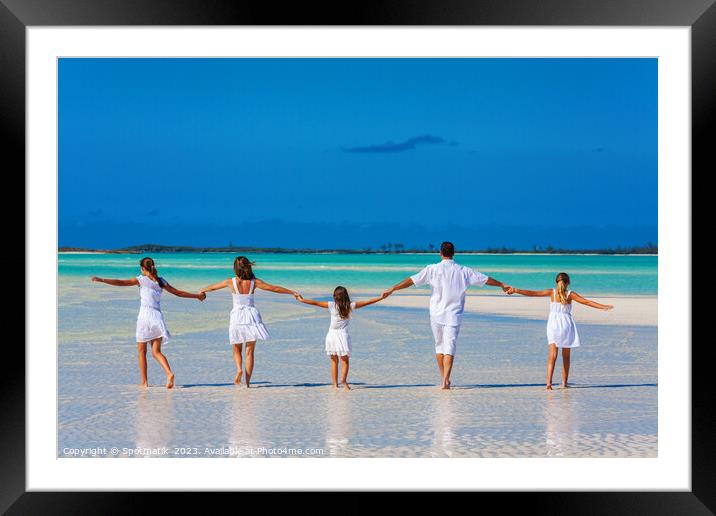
312 302
216 286
181 293
579 299
116 282
495 283
407 282
273 288
361 304
531 293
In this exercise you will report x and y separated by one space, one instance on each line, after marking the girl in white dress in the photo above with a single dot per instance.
245 324
338 342
150 321
561 329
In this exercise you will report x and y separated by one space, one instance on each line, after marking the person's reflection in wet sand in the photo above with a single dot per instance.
243 436
154 418
338 417
561 425
443 424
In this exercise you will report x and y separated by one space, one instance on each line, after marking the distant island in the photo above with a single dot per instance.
648 248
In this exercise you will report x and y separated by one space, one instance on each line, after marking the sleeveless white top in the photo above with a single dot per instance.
242 299
337 322
150 292
561 329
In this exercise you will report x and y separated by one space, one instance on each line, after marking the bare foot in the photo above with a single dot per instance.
237 378
565 386
549 387
345 384
335 385
446 386
144 384
170 380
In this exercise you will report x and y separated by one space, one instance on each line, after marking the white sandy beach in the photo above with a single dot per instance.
636 311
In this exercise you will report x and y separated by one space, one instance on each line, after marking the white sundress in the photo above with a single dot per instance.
150 321
338 342
245 324
561 329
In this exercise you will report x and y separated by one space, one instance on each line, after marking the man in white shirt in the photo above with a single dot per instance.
448 282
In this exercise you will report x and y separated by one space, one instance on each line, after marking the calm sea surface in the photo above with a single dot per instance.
603 275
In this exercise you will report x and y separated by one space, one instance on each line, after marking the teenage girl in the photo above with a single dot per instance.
150 321
245 324
338 342
561 329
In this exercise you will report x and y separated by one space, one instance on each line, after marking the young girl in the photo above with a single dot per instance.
338 342
561 330
245 324
150 321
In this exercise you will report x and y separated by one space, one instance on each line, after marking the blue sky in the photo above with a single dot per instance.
357 152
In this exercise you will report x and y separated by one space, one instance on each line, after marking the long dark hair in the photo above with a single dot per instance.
147 264
242 268
562 280
343 302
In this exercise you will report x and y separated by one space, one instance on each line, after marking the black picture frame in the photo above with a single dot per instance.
17 15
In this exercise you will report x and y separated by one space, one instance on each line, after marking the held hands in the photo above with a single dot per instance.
297 296
96 279
387 293
201 295
507 289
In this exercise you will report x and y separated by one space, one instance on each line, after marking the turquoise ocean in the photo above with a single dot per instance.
591 274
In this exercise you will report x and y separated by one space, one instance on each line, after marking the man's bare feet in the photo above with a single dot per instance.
345 385
549 387
446 385
237 378
144 384
335 385
565 386
170 380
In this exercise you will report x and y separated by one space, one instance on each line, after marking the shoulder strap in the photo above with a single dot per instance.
236 288
251 286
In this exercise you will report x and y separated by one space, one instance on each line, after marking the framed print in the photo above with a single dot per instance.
433 249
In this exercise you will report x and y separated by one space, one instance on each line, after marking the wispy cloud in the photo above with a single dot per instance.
406 145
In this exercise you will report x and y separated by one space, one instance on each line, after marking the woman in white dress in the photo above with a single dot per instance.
245 324
338 342
150 321
561 329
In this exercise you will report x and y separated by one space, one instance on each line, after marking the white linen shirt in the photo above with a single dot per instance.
448 282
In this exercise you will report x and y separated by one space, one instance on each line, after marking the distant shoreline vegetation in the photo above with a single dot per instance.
648 248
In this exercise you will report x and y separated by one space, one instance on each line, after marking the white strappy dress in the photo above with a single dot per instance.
561 329
338 342
245 324
150 321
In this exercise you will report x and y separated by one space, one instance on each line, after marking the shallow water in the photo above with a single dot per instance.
498 408
602 274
